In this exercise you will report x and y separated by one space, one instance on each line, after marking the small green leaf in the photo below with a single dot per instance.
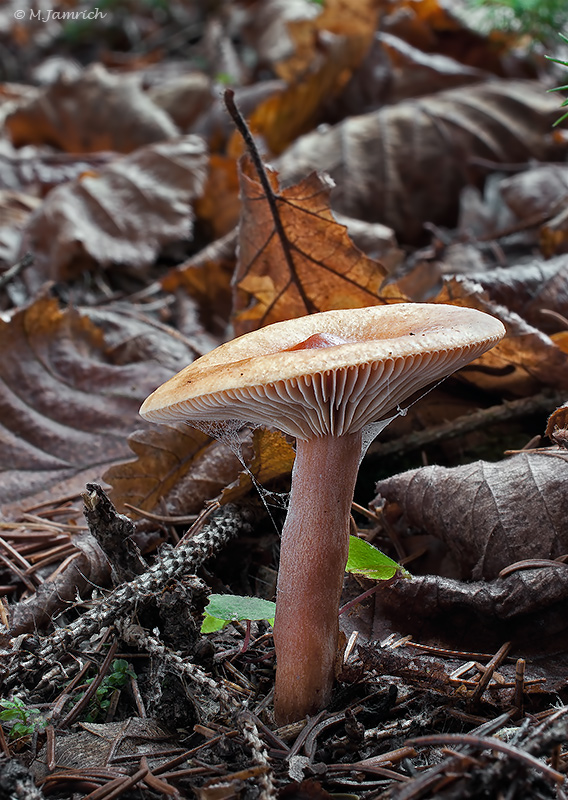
364 559
212 624
232 608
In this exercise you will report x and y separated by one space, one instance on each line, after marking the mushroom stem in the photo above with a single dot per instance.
313 554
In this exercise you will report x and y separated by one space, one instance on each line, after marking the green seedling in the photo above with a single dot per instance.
23 720
364 559
120 674
538 19
560 88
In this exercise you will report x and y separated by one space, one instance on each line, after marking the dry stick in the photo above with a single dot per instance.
15 270
519 686
119 604
490 668
244 130
90 693
509 409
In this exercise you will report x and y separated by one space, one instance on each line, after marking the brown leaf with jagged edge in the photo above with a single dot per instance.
326 50
273 458
89 113
70 390
120 215
177 466
524 361
295 259
530 289
489 515
406 164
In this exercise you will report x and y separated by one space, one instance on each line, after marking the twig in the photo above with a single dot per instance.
492 665
509 409
250 144
15 270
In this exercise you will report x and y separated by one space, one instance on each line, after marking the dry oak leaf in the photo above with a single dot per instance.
489 515
524 361
68 398
123 214
177 469
91 112
295 259
404 165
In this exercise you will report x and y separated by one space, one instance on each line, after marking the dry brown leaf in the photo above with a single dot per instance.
355 21
121 215
207 277
303 263
530 289
406 164
488 515
521 363
273 458
15 210
557 425
219 206
527 607
325 49
393 70
95 111
184 98
432 26
177 466
70 393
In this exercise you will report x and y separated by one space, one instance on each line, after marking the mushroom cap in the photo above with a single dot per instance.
328 373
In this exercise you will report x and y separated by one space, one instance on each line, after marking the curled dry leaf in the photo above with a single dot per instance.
207 277
527 607
557 426
67 399
295 259
524 361
92 112
538 197
122 214
327 49
406 164
488 515
394 70
530 290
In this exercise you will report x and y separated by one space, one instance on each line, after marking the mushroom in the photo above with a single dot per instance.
324 379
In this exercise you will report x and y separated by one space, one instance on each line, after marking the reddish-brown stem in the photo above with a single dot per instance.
315 545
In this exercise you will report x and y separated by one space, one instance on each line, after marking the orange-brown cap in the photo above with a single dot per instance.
327 373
